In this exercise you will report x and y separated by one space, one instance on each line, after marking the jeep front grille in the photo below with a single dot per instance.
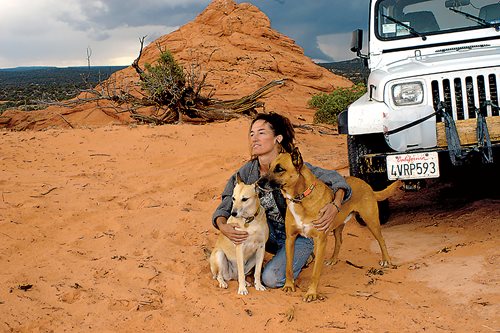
464 93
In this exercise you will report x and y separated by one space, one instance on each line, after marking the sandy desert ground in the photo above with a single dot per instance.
106 229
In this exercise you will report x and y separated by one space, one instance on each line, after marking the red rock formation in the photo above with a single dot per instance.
236 45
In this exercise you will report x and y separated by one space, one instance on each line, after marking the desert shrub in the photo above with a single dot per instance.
165 80
330 105
7 105
178 94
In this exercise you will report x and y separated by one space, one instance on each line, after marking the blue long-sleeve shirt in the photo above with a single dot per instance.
250 173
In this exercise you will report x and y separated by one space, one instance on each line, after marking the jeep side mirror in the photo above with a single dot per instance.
357 41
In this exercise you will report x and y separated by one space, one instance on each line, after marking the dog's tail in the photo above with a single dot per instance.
389 191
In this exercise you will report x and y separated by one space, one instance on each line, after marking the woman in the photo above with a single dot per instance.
267 133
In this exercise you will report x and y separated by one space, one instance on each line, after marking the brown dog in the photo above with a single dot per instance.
229 261
306 195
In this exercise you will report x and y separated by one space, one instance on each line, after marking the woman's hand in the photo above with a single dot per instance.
328 213
229 230
325 217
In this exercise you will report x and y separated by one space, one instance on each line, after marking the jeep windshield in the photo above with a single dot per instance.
399 19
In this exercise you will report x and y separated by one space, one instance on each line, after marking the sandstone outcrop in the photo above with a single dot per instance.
236 46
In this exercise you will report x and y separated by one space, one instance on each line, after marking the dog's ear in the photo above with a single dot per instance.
297 158
257 189
238 178
281 149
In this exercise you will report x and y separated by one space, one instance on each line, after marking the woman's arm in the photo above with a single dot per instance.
341 190
332 179
220 216
249 174
328 213
222 213
226 204
236 236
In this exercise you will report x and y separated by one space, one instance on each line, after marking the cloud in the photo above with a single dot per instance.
305 21
336 46
97 17
52 32
55 32
117 13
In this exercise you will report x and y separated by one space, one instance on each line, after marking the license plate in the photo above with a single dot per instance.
413 166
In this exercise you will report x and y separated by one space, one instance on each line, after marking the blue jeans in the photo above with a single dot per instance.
274 273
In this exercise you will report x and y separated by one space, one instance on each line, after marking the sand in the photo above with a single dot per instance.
105 225
106 230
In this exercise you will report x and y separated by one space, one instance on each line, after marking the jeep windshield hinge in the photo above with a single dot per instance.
483 136
452 138
483 147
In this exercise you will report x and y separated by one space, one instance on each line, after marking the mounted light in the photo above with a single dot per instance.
408 93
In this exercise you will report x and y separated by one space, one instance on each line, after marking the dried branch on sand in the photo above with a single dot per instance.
168 93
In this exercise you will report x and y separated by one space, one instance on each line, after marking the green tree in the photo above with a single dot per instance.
330 105
165 81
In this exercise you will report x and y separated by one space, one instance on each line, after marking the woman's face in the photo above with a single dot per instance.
262 139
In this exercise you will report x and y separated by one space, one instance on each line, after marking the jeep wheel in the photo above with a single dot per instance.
357 147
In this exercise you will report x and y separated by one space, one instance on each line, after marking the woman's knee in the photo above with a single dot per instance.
271 279
306 244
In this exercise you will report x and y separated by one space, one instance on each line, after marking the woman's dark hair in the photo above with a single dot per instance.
280 125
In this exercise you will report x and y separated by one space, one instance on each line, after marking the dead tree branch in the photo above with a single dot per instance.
168 93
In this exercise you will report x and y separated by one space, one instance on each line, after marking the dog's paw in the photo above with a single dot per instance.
330 262
288 288
259 287
242 291
222 284
310 297
386 264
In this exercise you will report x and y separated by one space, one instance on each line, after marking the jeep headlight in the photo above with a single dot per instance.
408 93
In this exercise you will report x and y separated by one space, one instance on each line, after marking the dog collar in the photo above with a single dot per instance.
299 197
251 218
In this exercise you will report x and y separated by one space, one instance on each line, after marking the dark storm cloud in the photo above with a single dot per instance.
303 20
112 14
112 27
147 12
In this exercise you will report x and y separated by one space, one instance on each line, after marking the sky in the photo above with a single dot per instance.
65 32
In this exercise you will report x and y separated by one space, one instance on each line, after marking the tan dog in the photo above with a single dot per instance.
229 261
306 195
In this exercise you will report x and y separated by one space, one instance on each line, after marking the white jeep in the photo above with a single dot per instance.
432 101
